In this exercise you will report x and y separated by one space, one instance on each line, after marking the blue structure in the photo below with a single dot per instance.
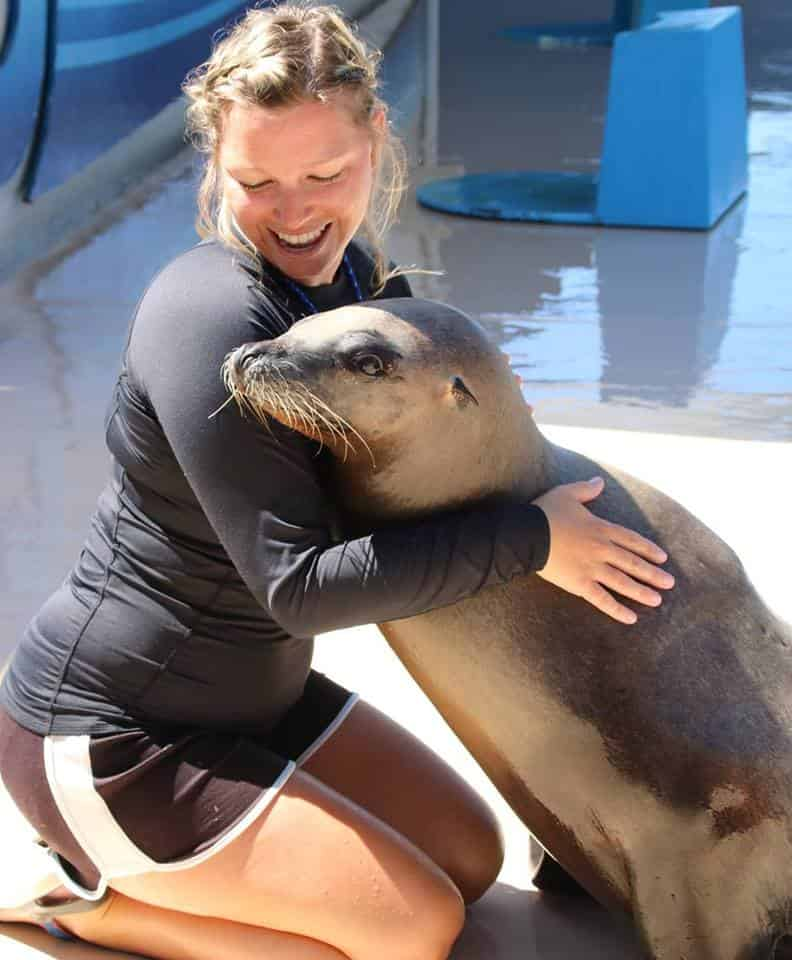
675 151
24 42
640 13
626 15
77 76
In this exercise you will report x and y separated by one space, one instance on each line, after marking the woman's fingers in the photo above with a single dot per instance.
595 558
631 540
614 579
599 597
583 490
630 563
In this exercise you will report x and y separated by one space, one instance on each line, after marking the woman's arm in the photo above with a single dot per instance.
260 490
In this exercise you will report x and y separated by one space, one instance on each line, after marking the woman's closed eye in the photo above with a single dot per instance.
329 179
251 187
315 178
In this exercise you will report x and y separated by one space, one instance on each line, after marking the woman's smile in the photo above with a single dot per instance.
301 241
302 244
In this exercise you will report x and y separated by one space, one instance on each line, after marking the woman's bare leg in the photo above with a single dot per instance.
135 927
377 765
318 866
384 768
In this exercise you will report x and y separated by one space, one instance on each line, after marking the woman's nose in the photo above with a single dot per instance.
291 209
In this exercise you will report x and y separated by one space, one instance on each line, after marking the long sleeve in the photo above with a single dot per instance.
259 488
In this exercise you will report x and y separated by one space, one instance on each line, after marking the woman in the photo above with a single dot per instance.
161 726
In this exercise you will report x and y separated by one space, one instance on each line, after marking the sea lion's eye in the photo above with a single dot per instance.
370 364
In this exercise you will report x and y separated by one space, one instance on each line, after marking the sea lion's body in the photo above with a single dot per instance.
654 761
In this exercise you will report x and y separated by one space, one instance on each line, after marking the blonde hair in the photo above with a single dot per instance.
281 56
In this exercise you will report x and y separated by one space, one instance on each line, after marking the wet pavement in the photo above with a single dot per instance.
677 331
652 331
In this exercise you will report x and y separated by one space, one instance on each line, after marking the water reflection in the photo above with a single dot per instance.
660 330
665 304
642 314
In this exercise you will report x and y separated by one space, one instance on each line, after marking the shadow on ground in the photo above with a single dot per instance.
513 924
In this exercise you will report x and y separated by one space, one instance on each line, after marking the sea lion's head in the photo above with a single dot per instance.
406 381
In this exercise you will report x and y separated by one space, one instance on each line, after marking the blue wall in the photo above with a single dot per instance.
76 76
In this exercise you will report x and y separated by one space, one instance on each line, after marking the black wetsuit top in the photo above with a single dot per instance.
209 565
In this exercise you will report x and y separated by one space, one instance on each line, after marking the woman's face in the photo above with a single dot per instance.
298 181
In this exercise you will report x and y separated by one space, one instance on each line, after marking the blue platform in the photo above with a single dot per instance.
549 197
676 134
675 151
626 15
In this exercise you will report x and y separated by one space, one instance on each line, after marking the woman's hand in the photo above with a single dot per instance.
588 554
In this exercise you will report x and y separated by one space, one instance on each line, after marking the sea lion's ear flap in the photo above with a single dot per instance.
460 392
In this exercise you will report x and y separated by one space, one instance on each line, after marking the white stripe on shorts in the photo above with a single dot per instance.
68 765
329 731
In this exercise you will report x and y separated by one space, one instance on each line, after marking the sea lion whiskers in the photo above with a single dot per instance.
222 406
282 398
263 398
299 406
236 392
342 424
298 409
306 416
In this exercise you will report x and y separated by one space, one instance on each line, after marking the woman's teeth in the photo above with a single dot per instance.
300 239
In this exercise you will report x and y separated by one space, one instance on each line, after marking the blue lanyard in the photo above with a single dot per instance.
303 296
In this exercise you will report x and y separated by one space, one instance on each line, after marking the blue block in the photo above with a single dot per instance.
626 15
675 152
631 14
647 11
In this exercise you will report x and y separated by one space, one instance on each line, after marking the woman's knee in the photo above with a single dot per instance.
319 866
385 769
435 923
472 852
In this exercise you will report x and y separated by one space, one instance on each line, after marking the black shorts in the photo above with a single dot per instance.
143 800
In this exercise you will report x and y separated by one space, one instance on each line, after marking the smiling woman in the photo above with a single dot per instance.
276 176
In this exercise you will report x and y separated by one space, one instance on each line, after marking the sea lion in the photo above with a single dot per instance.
655 761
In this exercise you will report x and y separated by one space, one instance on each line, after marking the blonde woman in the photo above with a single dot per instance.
202 791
